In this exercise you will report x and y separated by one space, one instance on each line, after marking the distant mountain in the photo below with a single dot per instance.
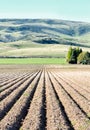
45 31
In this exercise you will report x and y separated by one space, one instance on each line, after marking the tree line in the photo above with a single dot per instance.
77 56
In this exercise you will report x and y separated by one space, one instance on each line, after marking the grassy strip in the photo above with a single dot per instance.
32 61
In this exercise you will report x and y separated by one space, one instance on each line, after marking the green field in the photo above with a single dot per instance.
36 61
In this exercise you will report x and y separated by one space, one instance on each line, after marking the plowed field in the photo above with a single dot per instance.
44 98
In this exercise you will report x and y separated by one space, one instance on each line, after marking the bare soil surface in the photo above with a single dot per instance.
44 97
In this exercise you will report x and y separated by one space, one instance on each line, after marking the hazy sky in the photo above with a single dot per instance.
58 9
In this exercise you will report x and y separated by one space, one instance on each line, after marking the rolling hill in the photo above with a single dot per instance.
41 37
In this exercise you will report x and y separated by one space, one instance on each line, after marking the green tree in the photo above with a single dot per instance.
78 51
68 58
72 55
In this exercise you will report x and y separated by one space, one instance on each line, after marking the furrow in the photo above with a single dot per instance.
9 80
7 103
80 90
16 115
82 103
6 93
10 84
81 78
55 114
35 119
75 114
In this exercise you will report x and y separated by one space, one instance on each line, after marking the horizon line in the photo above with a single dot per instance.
45 19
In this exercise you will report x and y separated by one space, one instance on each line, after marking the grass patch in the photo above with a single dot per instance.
41 61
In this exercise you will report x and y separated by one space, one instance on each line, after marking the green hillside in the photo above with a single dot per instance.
41 37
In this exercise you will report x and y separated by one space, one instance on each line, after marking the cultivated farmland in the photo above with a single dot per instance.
44 97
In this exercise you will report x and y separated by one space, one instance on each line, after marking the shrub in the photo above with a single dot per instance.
83 58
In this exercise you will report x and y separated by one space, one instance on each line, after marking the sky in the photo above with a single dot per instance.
77 10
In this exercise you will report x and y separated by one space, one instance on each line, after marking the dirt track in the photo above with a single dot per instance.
44 98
